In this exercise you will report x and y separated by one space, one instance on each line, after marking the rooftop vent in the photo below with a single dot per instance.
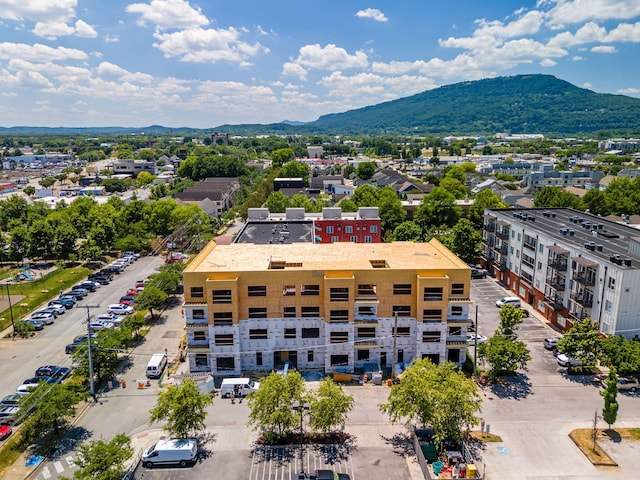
627 262
379 263
571 232
598 248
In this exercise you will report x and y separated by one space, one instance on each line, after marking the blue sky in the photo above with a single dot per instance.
81 63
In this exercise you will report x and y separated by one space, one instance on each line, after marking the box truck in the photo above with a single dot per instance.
165 452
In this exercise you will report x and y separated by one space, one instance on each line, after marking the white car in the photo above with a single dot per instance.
120 309
46 318
567 361
106 317
59 309
97 325
472 338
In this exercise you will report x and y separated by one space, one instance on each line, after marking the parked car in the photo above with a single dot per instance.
83 291
107 317
131 254
57 308
97 325
625 384
53 371
132 292
73 296
140 284
101 279
71 347
5 431
46 318
65 302
120 309
9 414
83 338
10 400
567 361
87 285
127 299
515 301
40 378
551 343
471 338
37 324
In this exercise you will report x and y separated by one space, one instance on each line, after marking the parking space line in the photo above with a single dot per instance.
46 473
71 462
58 466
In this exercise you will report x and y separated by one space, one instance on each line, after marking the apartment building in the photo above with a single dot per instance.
569 265
331 307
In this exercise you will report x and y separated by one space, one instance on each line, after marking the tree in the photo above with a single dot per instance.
437 209
329 406
407 232
295 169
621 353
144 178
550 197
280 156
151 297
510 318
47 182
271 406
582 341
455 187
610 410
484 199
439 396
390 207
277 202
29 190
465 241
100 460
365 170
183 407
504 354
47 408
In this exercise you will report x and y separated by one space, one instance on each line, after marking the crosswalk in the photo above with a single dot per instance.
56 468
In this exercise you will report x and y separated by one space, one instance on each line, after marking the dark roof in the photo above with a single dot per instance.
276 232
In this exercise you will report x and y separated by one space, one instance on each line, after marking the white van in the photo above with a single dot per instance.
515 301
181 452
156 365
238 385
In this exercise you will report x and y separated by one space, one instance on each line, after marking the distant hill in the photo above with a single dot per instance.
518 104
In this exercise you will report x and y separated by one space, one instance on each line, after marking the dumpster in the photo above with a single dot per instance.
471 471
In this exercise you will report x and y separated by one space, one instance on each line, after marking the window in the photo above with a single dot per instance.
612 283
309 355
453 355
432 294
433 357
432 315
431 336
199 335
455 331
257 290
402 332
225 340
457 289
197 292
339 337
289 290
608 306
366 332
339 360
402 310
258 334
289 333
289 312
310 290
373 229
339 316
339 294
353 239
222 318
363 355
368 239
310 333
456 311
258 312
310 311
329 228
366 310
402 289
335 239
222 296
202 360
348 229
258 358
226 363
366 289
197 314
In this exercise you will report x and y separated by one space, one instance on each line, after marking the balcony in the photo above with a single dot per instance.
585 278
459 322
504 249
365 320
530 246
582 298
365 344
502 235
560 264
199 346
196 322
490 227
554 302
557 283
503 265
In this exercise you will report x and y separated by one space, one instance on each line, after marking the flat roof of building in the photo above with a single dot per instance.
322 257
276 232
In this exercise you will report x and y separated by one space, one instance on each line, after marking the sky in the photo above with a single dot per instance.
182 63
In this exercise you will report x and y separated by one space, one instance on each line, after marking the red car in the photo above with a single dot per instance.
5 431
132 291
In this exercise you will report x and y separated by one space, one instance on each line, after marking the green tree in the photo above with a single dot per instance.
439 396
277 202
610 410
100 460
407 232
183 407
295 169
23 329
504 354
365 170
390 209
550 197
582 341
271 406
465 241
510 319
329 406
621 353
280 156
455 187
484 199
151 297
47 182
114 185
48 409
437 209
144 178
29 190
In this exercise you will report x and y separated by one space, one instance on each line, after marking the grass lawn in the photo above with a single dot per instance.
36 292
582 437
484 437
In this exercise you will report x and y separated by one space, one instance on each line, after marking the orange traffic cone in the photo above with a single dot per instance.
124 383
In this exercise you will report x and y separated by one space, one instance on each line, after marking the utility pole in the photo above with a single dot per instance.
92 386
475 346
13 327
393 354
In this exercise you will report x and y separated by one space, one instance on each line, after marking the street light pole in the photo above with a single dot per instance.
393 354
475 346
92 386
13 327
300 408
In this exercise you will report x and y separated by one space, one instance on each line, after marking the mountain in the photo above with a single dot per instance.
517 104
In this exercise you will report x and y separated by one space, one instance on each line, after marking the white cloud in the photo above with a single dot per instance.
624 32
24 78
527 24
589 33
294 70
372 13
547 62
634 92
577 11
586 85
85 30
107 68
604 49
329 58
207 46
39 52
168 14
577 58
111 38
